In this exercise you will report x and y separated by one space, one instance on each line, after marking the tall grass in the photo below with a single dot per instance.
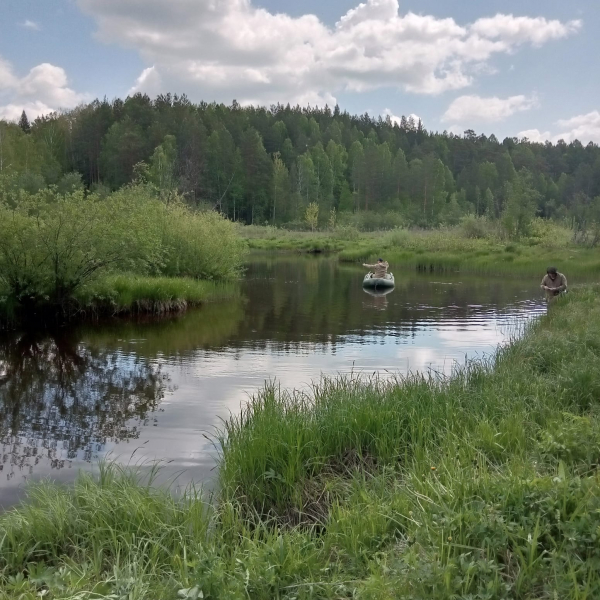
273 238
482 485
129 293
495 409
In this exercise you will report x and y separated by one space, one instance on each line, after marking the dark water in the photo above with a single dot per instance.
141 391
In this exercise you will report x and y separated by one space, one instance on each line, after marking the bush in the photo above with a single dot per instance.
474 227
397 237
52 244
201 244
347 233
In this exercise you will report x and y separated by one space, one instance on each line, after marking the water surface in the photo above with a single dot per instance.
139 391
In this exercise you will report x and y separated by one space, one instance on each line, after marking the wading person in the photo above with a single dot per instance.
379 268
554 283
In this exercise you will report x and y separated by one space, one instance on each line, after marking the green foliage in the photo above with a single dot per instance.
474 227
311 215
332 223
200 244
162 166
222 156
52 244
520 205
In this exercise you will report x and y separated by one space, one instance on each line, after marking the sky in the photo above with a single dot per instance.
524 68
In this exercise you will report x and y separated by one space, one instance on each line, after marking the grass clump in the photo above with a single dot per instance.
482 485
129 293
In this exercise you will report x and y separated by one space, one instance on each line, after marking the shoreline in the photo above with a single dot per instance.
122 295
435 250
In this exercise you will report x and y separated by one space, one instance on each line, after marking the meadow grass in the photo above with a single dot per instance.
447 249
273 238
482 485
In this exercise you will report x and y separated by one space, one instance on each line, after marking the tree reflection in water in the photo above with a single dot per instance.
62 400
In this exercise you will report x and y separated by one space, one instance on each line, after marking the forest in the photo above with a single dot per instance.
262 166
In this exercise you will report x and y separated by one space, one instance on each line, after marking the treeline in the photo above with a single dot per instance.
267 165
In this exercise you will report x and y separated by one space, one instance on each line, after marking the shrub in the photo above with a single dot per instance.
348 233
200 244
397 237
474 227
51 244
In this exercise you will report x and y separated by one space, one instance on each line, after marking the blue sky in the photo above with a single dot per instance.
503 67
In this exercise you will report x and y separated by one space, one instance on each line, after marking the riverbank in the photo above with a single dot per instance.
468 248
123 294
484 484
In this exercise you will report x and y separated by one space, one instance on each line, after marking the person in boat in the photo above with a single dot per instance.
554 283
379 268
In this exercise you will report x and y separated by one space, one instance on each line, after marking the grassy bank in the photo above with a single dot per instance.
468 248
125 294
485 485
134 294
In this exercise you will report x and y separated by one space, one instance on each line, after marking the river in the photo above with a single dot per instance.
143 390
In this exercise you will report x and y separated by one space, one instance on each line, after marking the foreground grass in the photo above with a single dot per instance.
481 486
440 250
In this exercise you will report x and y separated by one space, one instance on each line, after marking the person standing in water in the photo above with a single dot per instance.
380 268
554 283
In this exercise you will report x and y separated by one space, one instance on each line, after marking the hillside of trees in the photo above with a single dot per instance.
266 165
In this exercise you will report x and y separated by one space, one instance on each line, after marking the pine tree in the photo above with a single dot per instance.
24 123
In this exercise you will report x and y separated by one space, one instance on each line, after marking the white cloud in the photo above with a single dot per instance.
225 49
43 90
585 128
12 112
475 109
31 25
393 118
521 30
535 135
396 119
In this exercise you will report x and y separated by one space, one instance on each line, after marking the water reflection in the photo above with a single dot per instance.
157 387
61 400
